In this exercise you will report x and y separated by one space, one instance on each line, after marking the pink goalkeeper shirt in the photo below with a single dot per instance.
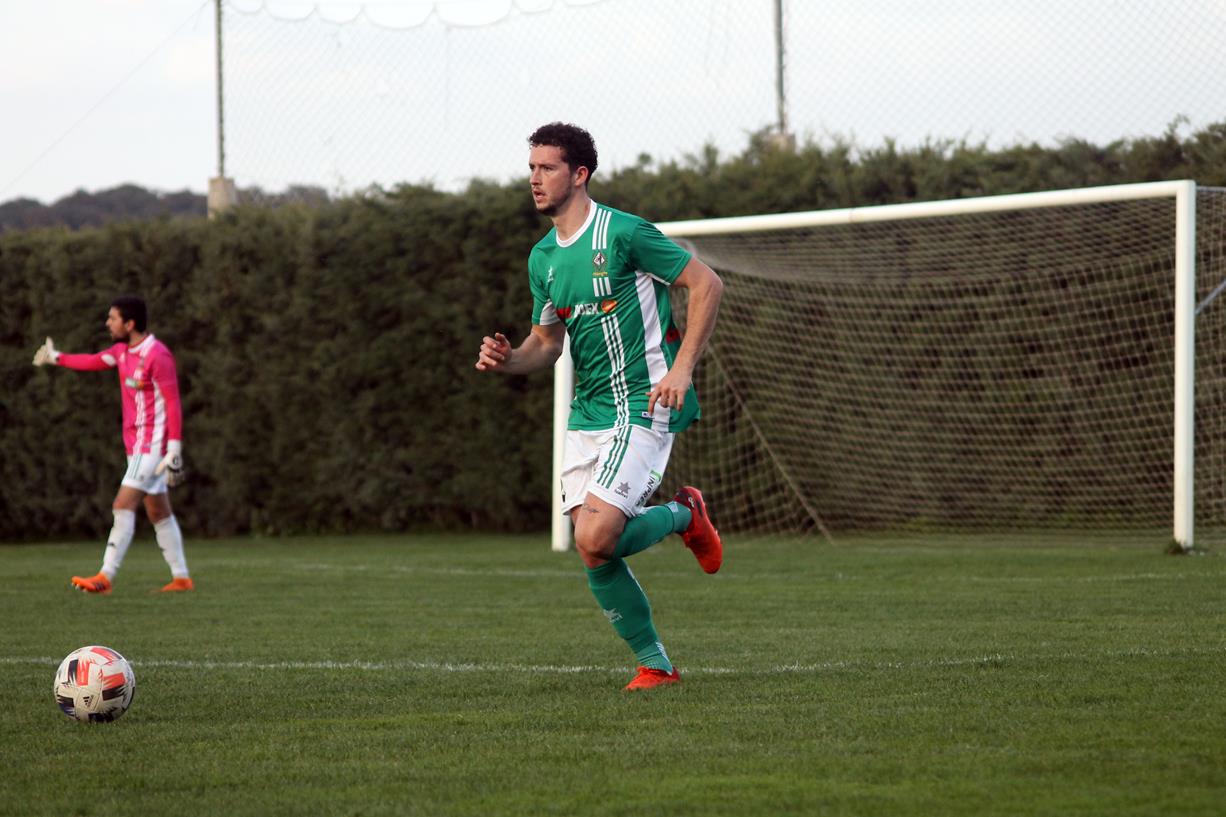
150 390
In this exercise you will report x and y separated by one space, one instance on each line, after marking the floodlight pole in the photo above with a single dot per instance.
222 192
780 97
221 99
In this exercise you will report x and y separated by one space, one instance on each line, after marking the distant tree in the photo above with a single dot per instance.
84 209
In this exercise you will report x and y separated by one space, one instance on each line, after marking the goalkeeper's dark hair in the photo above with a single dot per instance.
577 146
132 308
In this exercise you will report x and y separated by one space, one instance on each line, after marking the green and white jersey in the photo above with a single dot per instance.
609 284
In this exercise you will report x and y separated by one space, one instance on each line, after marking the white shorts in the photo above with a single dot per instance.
622 466
140 474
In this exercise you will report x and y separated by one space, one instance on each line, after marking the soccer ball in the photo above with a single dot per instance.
94 684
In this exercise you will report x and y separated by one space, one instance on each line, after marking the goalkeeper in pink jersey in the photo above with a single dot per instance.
152 437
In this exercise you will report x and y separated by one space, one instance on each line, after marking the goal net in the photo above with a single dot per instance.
1004 363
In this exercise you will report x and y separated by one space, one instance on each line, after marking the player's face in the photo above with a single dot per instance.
553 183
115 324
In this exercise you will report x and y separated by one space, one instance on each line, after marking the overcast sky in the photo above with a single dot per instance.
102 92
71 121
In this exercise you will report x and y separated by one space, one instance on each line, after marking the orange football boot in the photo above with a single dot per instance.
648 678
92 584
701 537
178 586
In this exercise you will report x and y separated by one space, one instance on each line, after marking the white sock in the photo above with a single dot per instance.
170 540
117 541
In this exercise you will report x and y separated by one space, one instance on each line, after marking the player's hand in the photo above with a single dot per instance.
494 352
670 391
46 354
172 463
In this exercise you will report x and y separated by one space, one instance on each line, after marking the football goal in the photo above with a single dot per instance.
1039 361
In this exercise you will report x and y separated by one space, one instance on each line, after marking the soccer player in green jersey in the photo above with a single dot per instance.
602 276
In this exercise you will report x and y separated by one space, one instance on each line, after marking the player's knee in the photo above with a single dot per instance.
595 544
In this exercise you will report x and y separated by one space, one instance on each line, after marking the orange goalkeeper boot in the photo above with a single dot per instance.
179 585
648 678
92 584
701 537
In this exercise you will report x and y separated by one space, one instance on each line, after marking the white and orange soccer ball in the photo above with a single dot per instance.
94 684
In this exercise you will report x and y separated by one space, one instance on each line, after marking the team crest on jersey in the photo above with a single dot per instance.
598 260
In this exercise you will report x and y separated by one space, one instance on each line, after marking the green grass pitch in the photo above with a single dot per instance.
476 676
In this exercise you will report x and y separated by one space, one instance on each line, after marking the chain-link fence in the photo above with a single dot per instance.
347 95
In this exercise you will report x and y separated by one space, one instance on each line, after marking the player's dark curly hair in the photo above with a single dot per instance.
132 308
577 146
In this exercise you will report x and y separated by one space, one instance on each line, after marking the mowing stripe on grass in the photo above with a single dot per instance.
565 573
989 660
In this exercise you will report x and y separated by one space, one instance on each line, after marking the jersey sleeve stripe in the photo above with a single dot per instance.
653 344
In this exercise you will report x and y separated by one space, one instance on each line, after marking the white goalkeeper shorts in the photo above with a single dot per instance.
140 474
622 466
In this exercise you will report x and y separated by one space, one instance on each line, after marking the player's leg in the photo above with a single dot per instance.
169 539
611 581
123 511
612 485
647 526
653 525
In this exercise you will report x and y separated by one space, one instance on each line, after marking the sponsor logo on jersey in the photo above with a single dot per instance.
580 310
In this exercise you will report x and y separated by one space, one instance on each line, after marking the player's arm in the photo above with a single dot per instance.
166 379
47 354
705 290
540 350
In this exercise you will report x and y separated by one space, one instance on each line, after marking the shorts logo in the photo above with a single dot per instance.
653 482
623 489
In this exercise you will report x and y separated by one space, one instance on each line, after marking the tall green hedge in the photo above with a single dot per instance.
326 354
325 358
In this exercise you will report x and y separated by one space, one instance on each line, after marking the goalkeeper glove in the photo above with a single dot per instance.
172 463
46 354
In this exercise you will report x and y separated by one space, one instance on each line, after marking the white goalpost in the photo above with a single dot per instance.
1012 361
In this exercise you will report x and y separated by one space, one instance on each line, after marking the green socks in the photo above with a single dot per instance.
650 527
625 606
617 591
